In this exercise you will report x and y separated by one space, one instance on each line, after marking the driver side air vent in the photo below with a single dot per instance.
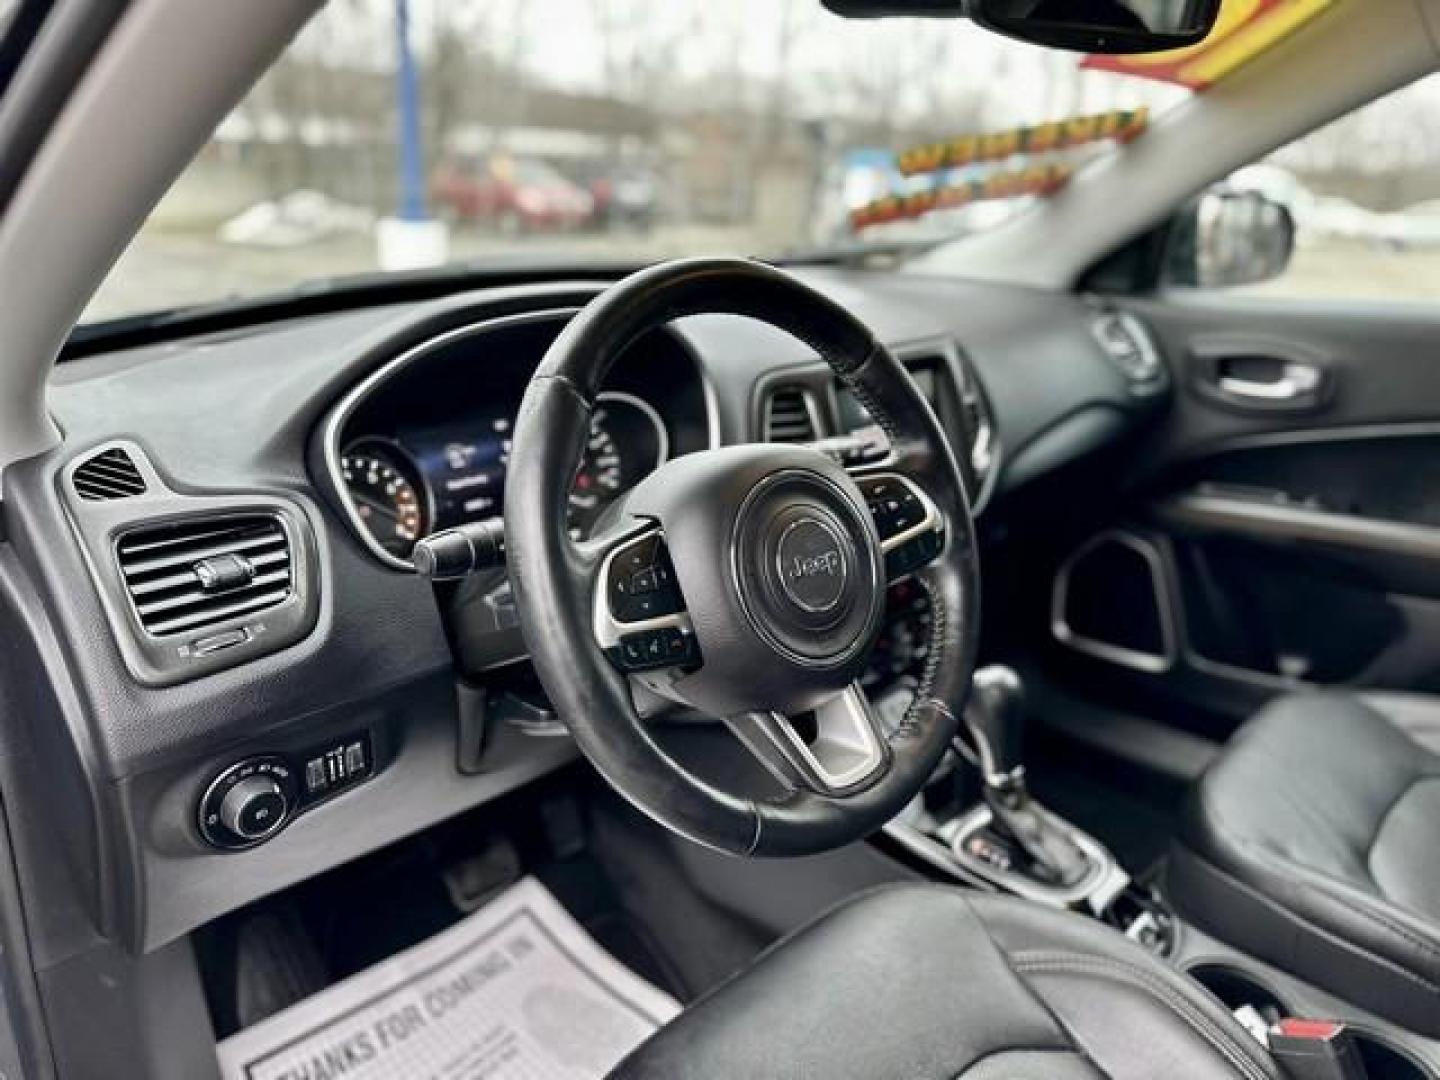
790 416
193 574
108 475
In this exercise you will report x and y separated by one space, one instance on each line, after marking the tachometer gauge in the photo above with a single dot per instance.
600 476
627 442
378 480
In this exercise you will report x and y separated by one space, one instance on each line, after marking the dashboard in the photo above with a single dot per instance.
423 445
361 702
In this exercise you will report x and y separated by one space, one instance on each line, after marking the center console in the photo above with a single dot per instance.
996 835
979 825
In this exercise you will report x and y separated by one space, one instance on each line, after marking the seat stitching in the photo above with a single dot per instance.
934 647
862 393
971 1071
1035 996
1080 964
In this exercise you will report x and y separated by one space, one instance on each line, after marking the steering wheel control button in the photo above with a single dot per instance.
894 506
812 565
651 650
912 554
641 582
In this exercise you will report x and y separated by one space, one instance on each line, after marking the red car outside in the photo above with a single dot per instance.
513 195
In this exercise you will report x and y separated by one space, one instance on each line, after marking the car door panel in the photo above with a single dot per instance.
1289 503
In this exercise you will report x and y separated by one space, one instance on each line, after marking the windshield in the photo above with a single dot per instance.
396 136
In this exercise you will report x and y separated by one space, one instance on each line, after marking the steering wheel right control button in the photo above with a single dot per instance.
909 527
640 584
894 506
911 555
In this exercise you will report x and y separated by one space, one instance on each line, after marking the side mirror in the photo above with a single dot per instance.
1093 26
1227 238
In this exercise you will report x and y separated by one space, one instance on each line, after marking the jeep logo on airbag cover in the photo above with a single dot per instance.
812 566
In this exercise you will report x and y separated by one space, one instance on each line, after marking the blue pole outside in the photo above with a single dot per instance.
407 103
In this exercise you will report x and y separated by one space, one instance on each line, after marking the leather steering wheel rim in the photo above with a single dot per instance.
553 577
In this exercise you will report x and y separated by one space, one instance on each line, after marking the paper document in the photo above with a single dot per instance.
517 991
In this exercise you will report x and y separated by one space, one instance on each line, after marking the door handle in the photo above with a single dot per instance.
1297 380
1260 375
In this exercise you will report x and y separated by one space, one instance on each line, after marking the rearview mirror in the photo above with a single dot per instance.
1229 238
1094 26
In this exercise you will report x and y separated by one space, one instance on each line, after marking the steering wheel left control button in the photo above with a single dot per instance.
651 650
640 584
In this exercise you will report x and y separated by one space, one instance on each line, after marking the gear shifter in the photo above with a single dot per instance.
995 722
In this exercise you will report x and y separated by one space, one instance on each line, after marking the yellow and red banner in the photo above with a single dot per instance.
1245 29
1035 180
1122 125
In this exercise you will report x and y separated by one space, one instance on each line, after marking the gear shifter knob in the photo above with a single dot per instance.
995 718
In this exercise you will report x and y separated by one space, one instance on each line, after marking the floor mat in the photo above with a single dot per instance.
517 989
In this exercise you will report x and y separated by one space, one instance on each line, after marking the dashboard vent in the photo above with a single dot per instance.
790 416
196 573
109 475
980 422
1128 345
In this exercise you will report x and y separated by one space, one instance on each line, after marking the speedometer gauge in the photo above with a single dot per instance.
627 442
388 502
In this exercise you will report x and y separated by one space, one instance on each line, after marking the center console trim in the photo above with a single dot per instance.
1095 890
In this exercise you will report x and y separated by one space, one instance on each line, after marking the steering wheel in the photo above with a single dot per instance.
747 583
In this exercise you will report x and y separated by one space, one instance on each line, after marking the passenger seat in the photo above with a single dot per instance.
1313 842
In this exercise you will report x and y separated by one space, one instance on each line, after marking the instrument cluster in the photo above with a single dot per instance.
424 479
424 443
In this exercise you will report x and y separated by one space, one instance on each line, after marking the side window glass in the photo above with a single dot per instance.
1349 212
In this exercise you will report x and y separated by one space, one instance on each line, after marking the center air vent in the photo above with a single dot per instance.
790 416
203 571
108 475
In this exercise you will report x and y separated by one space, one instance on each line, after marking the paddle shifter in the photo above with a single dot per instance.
995 724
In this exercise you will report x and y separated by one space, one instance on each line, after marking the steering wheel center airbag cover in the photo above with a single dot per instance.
781 568
807 568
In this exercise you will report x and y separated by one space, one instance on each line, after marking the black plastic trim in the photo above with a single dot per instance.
164 661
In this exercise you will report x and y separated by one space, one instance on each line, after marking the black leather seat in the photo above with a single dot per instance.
932 983
1313 842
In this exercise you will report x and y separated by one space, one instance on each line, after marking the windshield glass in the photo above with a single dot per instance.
396 135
